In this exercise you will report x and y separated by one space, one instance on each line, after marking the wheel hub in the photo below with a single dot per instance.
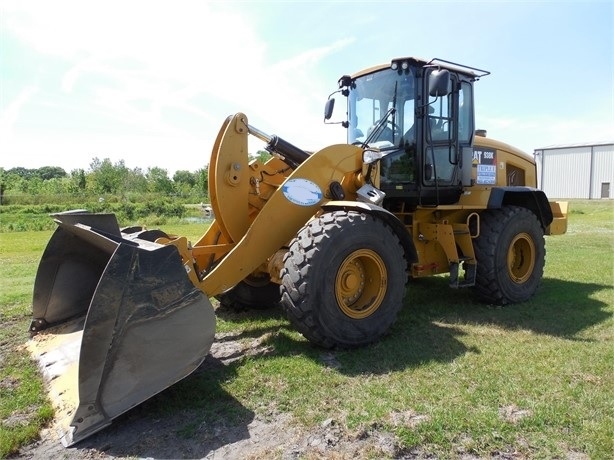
521 258
360 285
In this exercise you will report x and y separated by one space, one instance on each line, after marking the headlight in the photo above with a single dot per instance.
371 155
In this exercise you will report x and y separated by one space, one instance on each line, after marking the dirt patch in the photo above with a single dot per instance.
144 433
137 434
260 439
513 414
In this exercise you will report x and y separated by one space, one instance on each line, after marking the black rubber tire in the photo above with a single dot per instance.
510 253
253 293
322 273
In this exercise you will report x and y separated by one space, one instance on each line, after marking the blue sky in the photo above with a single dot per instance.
150 82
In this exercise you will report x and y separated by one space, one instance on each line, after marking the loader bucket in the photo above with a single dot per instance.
116 320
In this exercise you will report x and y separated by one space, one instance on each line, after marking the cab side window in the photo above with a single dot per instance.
441 122
465 113
440 154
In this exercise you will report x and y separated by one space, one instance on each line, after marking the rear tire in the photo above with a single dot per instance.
253 293
510 254
344 279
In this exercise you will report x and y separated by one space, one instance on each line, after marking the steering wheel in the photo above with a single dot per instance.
388 132
394 128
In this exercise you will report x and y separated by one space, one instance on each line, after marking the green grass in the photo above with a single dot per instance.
453 377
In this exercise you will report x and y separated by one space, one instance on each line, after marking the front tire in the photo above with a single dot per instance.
344 279
510 254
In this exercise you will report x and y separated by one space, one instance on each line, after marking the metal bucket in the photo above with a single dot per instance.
116 320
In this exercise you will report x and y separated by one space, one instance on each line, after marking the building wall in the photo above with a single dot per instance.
603 171
576 171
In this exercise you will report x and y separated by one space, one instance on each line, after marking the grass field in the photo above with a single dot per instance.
453 377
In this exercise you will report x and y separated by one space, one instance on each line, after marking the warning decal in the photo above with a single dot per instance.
486 162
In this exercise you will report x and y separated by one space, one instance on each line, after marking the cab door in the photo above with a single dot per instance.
446 131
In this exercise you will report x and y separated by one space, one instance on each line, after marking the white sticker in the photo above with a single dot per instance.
302 192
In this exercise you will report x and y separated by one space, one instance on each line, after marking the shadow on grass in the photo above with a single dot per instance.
204 417
560 308
188 420
193 417
414 340
429 326
248 316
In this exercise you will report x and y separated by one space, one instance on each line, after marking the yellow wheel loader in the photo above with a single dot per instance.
120 314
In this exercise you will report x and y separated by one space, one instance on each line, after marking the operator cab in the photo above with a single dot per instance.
420 116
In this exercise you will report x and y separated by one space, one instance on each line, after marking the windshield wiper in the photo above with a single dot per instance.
376 131
378 128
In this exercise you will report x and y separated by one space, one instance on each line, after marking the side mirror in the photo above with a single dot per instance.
328 109
439 83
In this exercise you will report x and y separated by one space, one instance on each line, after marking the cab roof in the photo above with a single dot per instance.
472 72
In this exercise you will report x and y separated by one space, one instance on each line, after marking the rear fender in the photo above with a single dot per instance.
526 197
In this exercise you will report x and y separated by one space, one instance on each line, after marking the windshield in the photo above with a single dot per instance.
387 94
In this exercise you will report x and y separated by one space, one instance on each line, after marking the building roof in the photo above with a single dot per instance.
579 144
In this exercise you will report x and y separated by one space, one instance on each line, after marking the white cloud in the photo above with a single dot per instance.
10 114
138 64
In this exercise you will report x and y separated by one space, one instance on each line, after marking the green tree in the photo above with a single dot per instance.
50 172
78 180
107 177
51 184
136 182
185 177
54 186
202 183
13 181
158 181
185 184
24 173
33 185
262 155
7 178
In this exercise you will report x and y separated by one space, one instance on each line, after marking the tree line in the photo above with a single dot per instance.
103 178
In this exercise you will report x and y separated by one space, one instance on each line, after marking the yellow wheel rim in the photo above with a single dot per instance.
360 285
521 258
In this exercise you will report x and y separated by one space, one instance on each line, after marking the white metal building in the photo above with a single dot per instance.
584 171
